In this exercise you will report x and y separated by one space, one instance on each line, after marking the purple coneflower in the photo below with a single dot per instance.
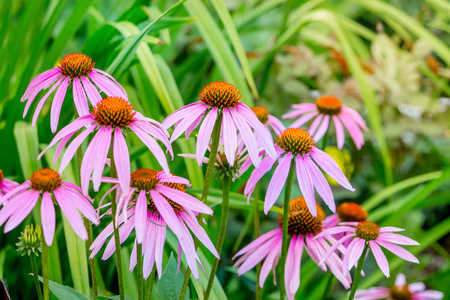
221 99
327 108
302 228
296 143
109 117
370 234
153 201
400 291
6 185
79 70
48 185
264 117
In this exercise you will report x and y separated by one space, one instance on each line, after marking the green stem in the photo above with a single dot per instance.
35 271
358 272
284 245
87 223
257 233
226 183
206 183
45 270
327 290
149 284
116 230
325 140
140 273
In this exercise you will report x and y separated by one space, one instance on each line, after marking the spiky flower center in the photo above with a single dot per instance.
300 220
1 176
329 105
114 111
400 293
220 94
351 212
367 230
146 179
261 113
76 65
45 180
295 140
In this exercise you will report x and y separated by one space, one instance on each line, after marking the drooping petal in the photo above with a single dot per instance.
81 203
258 242
303 119
92 93
276 124
257 174
247 136
200 233
400 280
184 199
429 295
166 211
340 136
204 134
306 185
107 86
270 261
229 137
141 216
192 114
315 124
277 182
122 160
72 148
159 248
334 247
42 102
112 78
320 183
380 258
257 256
38 80
354 130
79 97
322 128
20 213
399 251
101 153
330 167
41 86
354 255
48 218
71 213
397 239
57 104
294 276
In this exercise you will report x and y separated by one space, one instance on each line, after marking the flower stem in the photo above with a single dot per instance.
284 245
325 140
226 183
206 183
257 230
327 290
35 271
113 173
140 276
149 284
87 223
45 270
358 272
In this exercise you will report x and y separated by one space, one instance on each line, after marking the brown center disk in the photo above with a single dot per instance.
400 293
351 212
45 180
300 220
329 105
114 111
261 113
76 65
367 230
295 140
220 94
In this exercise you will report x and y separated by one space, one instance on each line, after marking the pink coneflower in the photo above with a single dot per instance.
48 185
266 118
302 228
241 161
79 70
154 201
400 291
327 108
221 98
296 143
109 117
369 233
6 185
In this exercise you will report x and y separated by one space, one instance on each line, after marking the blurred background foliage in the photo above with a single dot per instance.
387 59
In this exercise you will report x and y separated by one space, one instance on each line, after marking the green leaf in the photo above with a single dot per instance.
63 292
112 297
123 60
28 147
227 21
219 49
169 286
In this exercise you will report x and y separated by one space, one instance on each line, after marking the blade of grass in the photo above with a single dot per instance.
227 21
219 49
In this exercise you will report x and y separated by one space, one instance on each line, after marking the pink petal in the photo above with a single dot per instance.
48 218
380 258
200 233
276 124
306 184
70 151
320 183
81 203
293 282
167 213
57 104
303 119
356 117
204 134
390 229
79 97
428 295
258 242
340 136
192 114
247 136
102 143
71 213
184 199
334 247
397 239
277 182
335 230
312 129
355 254
91 91
354 130
330 167
38 80
159 248
20 213
180 114
322 128
41 86
42 102
112 78
257 174
141 216
270 261
399 251
107 86
258 255
229 137
122 160
400 280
